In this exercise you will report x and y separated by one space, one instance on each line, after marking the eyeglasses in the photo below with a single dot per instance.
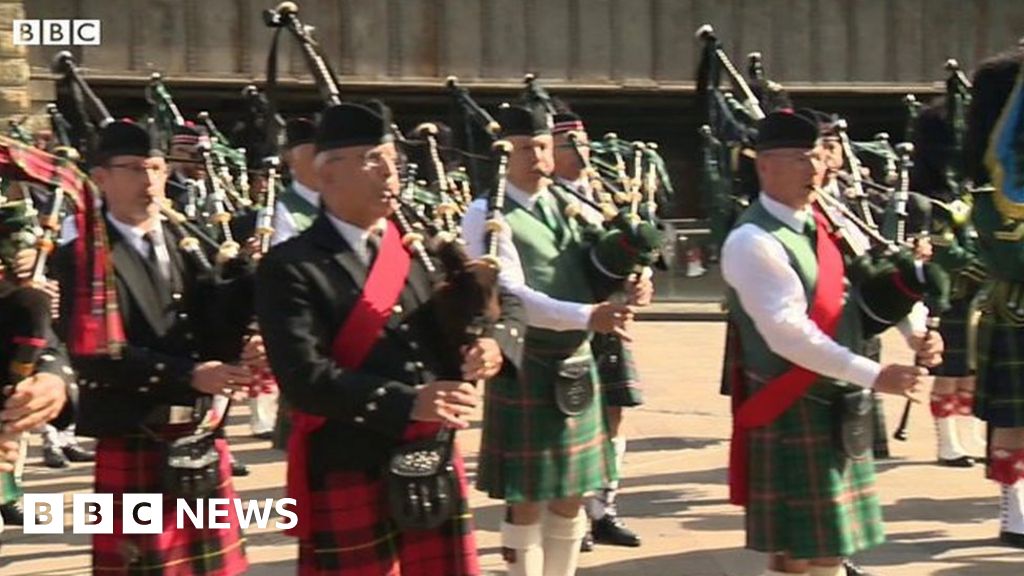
139 169
372 160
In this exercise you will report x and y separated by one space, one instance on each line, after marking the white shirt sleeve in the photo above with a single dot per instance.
757 267
542 311
284 225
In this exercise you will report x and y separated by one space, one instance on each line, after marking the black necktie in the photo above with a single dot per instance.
372 246
153 257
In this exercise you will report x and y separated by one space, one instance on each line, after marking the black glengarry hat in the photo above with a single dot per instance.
123 138
346 125
524 120
299 131
786 129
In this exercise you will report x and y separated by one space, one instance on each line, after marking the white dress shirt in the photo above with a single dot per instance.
136 237
542 311
284 223
757 267
582 187
356 236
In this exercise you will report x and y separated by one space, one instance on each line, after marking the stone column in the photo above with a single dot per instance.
14 69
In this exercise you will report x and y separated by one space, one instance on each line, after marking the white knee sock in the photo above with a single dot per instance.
825 571
562 537
1011 509
528 543
949 438
975 438
603 502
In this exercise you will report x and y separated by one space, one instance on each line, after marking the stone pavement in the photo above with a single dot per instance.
941 522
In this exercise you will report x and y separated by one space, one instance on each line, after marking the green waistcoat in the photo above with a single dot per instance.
553 265
303 213
757 357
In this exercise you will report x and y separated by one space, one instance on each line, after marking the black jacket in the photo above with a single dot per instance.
169 327
52 358
306 288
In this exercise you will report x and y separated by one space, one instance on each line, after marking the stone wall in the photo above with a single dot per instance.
14 67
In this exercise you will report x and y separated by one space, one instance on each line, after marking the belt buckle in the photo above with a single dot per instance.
180 415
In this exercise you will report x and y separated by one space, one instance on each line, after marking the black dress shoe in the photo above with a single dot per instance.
610 530
1012 539
264 435
961 462
76 453
239 469
587 544
854 570
53 457
13 514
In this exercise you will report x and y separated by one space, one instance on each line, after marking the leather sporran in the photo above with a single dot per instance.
192 466
574 386
421 485
854 423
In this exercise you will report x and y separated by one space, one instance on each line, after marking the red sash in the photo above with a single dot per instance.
351 345
782 392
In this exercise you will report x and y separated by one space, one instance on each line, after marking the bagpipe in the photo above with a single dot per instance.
727 131
629 239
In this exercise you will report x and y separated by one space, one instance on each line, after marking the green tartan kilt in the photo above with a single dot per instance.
953 329
806 499
999 398
616 370
531 452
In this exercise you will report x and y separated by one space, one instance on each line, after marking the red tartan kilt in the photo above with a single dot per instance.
353 535
133 465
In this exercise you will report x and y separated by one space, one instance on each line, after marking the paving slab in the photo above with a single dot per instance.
941 522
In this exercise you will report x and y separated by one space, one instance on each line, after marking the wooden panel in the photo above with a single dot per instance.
594 49
755 23
366 27
906 40
418 30
505 52
585 41
214 34
676 52
794 41
871 49
462 37
632 50
831 45
113 53
549 26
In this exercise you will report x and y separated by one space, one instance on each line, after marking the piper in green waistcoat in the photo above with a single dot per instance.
539 454
297 207
809 499
616 368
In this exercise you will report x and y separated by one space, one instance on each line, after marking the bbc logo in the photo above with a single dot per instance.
57 32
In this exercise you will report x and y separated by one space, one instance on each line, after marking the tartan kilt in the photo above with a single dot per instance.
529 450
999 398
616 371
806 499
353 534
953 329
134 464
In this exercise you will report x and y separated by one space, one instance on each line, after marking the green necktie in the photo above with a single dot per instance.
547 214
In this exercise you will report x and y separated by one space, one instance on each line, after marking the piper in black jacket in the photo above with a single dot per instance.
311 290
181 320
